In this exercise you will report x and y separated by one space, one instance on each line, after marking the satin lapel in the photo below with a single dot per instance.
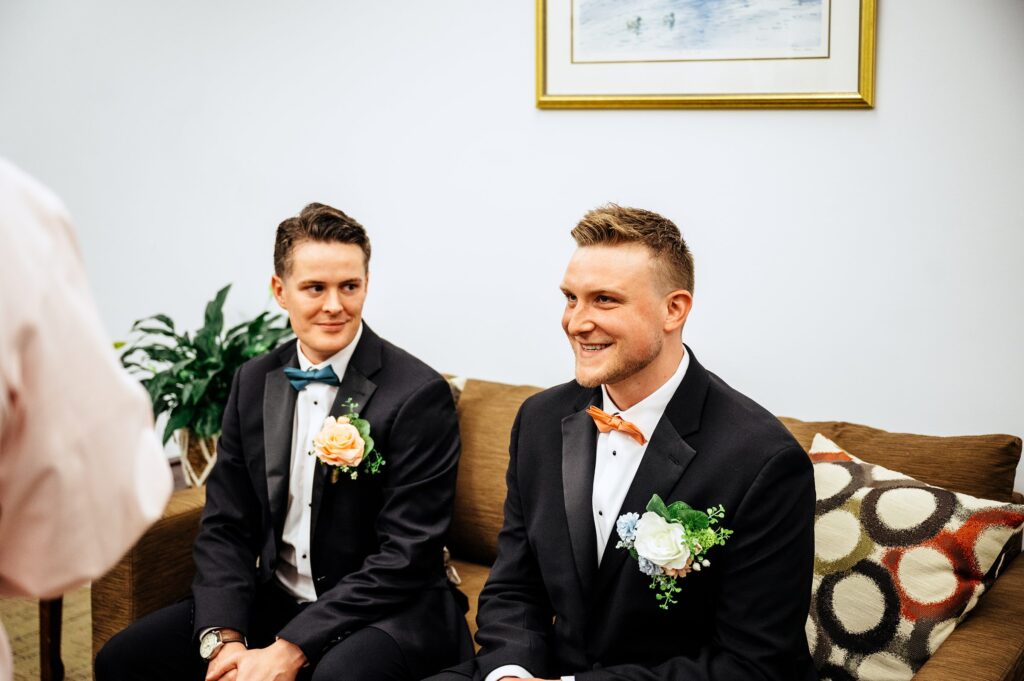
278 416
579 453
358 388
664 462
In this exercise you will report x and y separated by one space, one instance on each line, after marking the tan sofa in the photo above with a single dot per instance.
988 646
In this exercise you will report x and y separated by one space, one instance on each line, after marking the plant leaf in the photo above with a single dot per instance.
180 418
214 318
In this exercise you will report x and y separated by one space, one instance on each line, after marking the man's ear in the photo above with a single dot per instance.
277 288
678 304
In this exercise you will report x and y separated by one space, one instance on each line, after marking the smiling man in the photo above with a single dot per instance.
643 417
320 551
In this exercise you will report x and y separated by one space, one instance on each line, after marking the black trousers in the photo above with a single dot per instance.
461 673
161 647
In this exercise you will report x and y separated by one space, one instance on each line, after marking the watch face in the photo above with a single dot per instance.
208 644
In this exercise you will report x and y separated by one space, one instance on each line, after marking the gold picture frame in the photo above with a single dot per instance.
842 78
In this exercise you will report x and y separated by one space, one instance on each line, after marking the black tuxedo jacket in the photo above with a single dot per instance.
376 541
548 606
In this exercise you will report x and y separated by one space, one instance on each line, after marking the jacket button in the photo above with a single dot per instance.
320 579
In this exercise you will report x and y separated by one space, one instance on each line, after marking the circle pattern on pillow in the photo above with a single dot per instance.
884 666
834 483
858 608
840 539
897 564
897 516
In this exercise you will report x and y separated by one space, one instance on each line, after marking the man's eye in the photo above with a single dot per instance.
604 299
316 288
570 298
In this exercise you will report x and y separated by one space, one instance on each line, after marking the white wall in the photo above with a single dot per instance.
859 265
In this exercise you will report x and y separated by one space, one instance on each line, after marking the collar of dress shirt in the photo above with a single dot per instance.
646 413
339 360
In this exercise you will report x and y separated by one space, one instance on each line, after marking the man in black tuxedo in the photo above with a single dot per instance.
561 599
304 569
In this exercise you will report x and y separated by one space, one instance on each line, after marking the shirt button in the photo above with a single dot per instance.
315 402
614 453
303 556
599 513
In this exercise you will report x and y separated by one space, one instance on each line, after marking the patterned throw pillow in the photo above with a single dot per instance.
898 564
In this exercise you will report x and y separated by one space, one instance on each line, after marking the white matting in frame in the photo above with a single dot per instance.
705 53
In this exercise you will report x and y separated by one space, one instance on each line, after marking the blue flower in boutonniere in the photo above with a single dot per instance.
668 542
344 445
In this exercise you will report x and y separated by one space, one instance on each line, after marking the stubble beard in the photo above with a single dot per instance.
623 369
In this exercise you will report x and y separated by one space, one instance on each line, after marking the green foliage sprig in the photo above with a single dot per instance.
189 375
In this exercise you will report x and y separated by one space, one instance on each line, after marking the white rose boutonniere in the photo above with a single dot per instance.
668 542
344 445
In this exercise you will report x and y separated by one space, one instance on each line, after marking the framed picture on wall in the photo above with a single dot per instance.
705 53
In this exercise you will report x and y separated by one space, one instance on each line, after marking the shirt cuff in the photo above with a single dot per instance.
512 670
568 678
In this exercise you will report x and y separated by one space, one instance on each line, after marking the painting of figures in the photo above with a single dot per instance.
682 30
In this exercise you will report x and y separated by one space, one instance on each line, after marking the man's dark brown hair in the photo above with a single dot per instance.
317 222
611 224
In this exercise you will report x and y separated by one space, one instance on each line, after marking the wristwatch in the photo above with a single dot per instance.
212 641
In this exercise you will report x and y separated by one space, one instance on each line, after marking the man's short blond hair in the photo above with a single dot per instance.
610 225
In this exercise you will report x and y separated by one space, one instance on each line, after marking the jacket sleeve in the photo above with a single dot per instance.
765 592
515 614
421 463
227 546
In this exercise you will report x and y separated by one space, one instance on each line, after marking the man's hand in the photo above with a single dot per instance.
280 661
224 662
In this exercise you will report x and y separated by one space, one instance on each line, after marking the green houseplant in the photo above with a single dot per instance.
189 375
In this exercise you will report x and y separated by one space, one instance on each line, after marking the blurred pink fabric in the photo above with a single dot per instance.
82 472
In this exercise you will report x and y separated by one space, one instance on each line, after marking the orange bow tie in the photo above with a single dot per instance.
606 422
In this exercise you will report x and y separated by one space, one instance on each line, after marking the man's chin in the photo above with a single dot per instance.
589 379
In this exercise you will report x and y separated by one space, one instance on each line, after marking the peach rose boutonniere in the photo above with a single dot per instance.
344 445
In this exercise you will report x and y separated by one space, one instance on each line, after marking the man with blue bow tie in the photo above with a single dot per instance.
320 552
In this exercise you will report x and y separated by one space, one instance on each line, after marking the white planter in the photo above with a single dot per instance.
197 456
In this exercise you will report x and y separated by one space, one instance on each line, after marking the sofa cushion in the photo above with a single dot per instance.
898 564
486 413
980 465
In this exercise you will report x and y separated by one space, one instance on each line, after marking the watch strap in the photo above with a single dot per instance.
233 638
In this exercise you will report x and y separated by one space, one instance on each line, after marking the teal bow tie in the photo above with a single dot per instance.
300 379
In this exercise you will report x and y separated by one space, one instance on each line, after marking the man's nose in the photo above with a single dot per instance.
332 302
579 320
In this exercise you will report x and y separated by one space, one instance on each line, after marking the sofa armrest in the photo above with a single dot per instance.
989 644
157 571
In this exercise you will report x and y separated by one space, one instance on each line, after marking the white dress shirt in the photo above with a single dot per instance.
618 458
619 455
312 407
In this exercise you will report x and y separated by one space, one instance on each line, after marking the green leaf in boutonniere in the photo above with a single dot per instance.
668 542
344 445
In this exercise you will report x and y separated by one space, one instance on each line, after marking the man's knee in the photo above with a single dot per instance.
114 661
158 646
451 675
366 655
